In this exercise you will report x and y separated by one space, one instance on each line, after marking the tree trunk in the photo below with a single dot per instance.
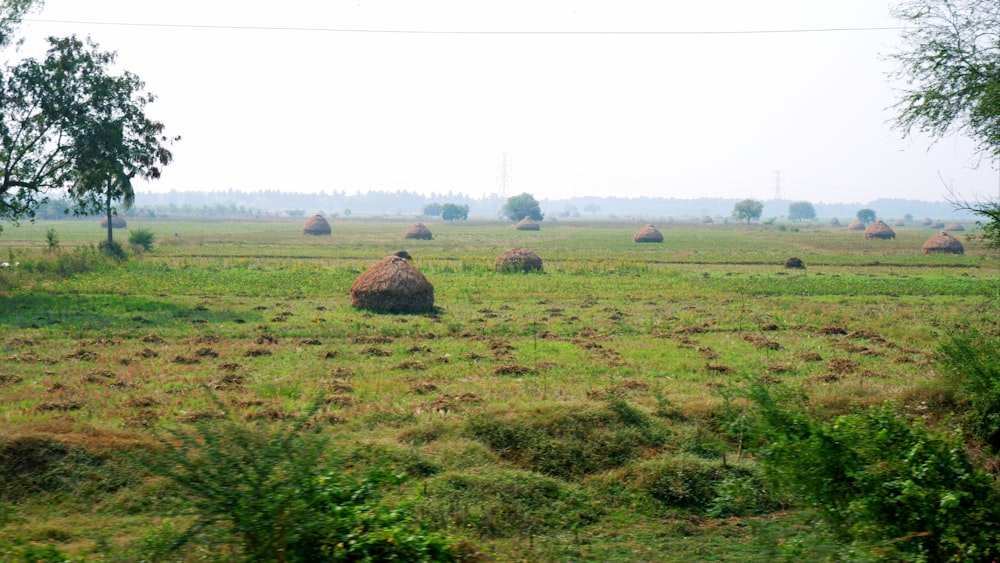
110 226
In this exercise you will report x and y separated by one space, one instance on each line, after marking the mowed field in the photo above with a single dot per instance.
587 413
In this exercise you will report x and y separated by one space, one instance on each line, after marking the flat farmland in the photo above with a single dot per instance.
538 417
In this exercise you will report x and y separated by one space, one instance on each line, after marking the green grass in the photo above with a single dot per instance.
519 382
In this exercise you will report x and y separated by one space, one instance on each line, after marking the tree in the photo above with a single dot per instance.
950 65
801 211
866 215
68 123
748 209
11 14
520 206
432 210
453 212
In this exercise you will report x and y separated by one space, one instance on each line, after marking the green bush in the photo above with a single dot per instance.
282 496
878 479
113 250
973 361
141 237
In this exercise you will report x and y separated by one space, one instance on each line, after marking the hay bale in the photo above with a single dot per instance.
418 231
857 225
706 220
317 225
937 225
647 233
900 223
943 243
879 230
392 285
794 262
518 260
834 222
956 226
116 222
927 222
528 224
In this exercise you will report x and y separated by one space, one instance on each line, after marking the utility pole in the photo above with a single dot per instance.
503 174
777 185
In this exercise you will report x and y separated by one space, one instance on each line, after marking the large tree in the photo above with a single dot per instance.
520 206
801 211
454 212
950 65
867 215
748 210
69 123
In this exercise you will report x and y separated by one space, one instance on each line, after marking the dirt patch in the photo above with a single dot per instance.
83 355
842 366
148 353
153 339
340 400
761 343
511 369
375 352
410 365
310 342
832 330
423 387
206 353
185 360
257 352
372 339
719 368
810 357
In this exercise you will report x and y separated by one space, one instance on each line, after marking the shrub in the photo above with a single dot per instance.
973 360
112 250
283 496
877 479
141 237
52 239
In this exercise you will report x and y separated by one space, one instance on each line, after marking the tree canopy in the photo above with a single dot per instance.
866 215
69 123
801 211
454 212
950 64
520 206
748 210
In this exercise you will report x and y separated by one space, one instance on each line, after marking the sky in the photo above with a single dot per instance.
730 98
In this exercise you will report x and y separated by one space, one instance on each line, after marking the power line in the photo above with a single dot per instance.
471 32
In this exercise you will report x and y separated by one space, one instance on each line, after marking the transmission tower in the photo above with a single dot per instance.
503 174
777 185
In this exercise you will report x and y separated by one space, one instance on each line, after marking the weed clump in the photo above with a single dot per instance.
569 442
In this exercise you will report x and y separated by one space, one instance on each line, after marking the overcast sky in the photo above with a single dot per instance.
302 95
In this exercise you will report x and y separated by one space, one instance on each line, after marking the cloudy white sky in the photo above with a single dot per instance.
302 95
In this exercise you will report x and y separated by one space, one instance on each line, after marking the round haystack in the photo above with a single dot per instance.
880 230
927 222
834 222
956 226
317 225
647 233
794 262
900 223
518 260
705 219
937 225
392 285
856 226
943 243
528 224
116 222
419 231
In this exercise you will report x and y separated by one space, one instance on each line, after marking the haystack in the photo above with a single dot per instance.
900 223
834 222
518 260
705 219
956 226
392 285
647 233
794 262
527 224
880 230
116 222
927 222
857 225
937 225
418 231
943 243
317 225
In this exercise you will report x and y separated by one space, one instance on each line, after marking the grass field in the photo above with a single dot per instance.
571 415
